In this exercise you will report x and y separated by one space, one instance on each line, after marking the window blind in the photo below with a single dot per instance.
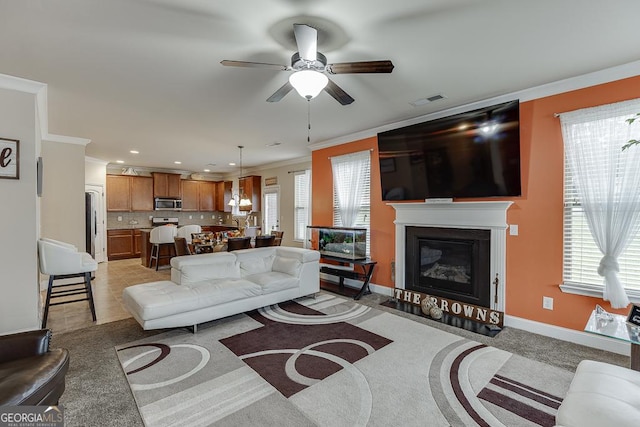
301 206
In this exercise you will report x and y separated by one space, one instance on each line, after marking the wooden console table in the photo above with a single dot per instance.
366 264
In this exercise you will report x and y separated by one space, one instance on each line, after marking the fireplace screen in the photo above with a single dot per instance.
450 263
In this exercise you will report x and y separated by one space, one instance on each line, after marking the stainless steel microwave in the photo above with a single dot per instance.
162 204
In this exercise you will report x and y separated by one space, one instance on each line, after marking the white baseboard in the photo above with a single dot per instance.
570 335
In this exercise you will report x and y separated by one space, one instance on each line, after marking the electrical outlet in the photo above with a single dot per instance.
213 216
513 229
201 216
119 218
190 216
150 217
547 303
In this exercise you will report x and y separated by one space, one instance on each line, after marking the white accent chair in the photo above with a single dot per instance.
159 236
186 231
62 260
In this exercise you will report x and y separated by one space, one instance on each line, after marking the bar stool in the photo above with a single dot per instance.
187 230
161 236
278 236
61 260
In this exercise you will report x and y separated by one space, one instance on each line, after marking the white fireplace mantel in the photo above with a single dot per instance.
474 215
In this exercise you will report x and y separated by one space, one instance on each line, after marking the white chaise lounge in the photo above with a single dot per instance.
211 286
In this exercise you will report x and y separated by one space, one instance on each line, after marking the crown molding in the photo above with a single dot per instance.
595 78
66 139
94 160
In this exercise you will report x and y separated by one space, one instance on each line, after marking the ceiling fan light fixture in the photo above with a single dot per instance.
308 83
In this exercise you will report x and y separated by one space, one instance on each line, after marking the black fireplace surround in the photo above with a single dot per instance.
451 263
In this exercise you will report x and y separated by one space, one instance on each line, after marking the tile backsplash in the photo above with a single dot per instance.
117 220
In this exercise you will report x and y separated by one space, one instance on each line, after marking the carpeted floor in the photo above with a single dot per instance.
98 394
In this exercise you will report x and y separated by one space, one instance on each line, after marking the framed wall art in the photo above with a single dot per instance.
9 158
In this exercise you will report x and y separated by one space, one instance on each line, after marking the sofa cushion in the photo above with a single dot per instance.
290 266
220 270
259 263
160 299
273 281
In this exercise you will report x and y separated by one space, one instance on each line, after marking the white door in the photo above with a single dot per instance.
271 210
96 229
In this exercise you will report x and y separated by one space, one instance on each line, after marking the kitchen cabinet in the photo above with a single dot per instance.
166 185
207 196
129 193
199 196
190 194
252 187
224 191
124 243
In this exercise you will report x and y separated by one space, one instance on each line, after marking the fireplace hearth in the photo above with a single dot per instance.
451 263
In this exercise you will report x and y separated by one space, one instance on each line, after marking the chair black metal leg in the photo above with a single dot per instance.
87 283
46 305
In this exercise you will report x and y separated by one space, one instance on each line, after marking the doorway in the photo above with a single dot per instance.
271 214
95 230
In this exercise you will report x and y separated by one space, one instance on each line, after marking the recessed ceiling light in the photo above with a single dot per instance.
134 152
232 164
207 170
119 161
177 162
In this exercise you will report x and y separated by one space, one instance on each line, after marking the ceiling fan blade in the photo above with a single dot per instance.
277 67
338 93
385 66
307 40
280 93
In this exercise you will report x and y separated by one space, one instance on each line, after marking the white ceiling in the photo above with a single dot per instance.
146 74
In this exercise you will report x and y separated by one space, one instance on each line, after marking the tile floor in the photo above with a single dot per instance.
110 279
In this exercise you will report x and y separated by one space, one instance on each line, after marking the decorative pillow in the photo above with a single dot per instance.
256 265
290 266
221 270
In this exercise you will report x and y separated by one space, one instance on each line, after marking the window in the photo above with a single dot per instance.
301 205
611 190
352 191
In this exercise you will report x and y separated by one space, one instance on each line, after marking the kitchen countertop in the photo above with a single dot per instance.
149 228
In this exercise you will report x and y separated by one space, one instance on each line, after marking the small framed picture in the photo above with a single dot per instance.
634 315
9 158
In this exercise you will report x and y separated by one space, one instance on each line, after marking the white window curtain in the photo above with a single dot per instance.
348 184
607 180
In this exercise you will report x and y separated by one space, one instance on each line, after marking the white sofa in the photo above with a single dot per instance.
210 286
601 395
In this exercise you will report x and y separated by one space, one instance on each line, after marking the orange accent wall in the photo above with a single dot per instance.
534 257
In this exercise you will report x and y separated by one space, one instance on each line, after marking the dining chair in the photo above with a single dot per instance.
181 246
278 237
262 241
235 243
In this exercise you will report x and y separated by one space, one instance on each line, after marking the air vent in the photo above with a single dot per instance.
427 100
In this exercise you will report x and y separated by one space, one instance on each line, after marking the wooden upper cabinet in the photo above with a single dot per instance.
166 185
252 187
223 195
190 194
118 193
207 196
129 193
141 193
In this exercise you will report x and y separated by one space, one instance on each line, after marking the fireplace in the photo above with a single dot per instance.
451 263
465 229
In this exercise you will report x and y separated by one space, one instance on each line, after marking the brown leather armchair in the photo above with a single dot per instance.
31 373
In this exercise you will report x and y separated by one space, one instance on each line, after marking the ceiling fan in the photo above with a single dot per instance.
310 69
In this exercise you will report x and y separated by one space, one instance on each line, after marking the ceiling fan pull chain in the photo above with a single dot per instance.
308 121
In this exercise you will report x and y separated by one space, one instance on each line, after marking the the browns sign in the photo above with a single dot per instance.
461 309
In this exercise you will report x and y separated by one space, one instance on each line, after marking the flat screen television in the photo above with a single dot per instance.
472 154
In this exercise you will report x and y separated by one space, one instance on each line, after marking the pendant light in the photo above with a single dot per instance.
244 201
